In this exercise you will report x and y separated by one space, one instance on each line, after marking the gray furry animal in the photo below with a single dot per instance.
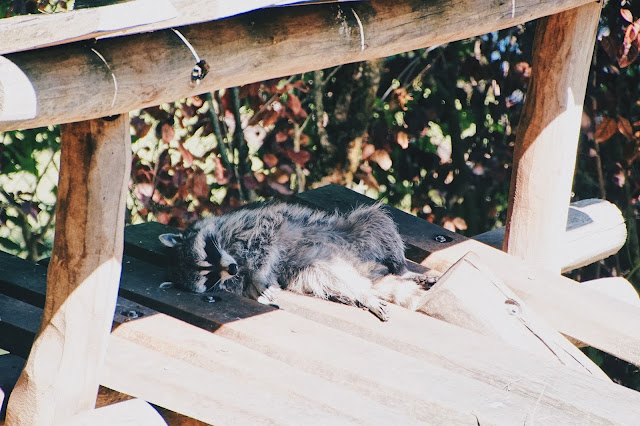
355 258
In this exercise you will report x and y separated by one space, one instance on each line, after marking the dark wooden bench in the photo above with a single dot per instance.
246 362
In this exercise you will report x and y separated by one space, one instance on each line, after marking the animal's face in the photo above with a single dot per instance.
197 261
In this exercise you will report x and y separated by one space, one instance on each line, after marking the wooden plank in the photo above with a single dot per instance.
379 373
469 295
149 69
595 230
127 17
22 280
64 27
315 359
576 311
544 156
19 322
60 378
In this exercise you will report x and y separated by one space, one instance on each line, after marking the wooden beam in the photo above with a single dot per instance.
82 24
547 137
60 378
334 363
469 295
594 231
79 81
574 310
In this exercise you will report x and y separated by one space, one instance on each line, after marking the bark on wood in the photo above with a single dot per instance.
582 313
99 22
73 82
547 137
60 378
292 364
469 295
65 27
595 230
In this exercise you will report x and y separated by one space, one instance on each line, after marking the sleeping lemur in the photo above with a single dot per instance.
355 258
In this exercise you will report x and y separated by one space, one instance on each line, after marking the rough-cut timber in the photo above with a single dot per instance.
332 363
544 157
595 230
43 30
469 295
574 310
60 378
72 82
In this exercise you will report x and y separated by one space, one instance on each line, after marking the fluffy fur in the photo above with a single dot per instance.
355 258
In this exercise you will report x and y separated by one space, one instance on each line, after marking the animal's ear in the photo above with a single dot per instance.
171 240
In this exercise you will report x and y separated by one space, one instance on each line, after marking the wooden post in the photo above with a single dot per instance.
547 136
60 378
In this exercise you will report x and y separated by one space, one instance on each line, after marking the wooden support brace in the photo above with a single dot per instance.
469 295
595 230
547 136
60 377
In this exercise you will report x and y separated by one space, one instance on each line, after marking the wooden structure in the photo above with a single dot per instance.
310 358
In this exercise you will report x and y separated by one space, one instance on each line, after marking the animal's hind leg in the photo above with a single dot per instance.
338 280
402 290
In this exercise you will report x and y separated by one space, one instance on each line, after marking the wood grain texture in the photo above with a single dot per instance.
469 295
60 378
324 360
576 311
65 27
595 230
72 83
333 363
547 136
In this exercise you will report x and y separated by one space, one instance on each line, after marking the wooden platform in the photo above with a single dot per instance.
224 359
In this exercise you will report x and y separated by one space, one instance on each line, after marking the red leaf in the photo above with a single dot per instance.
269 117
382 158
281 137
606 129
459 223
295 106
270 160
624 126
279 188
403 140
187 157
168 133
140 127
626 15
199 186
300 158
367 150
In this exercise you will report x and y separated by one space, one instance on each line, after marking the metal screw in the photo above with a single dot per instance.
211 299
513 307
131 314
442 239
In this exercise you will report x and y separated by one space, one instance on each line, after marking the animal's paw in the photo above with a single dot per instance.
269 295
426 281
379 309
